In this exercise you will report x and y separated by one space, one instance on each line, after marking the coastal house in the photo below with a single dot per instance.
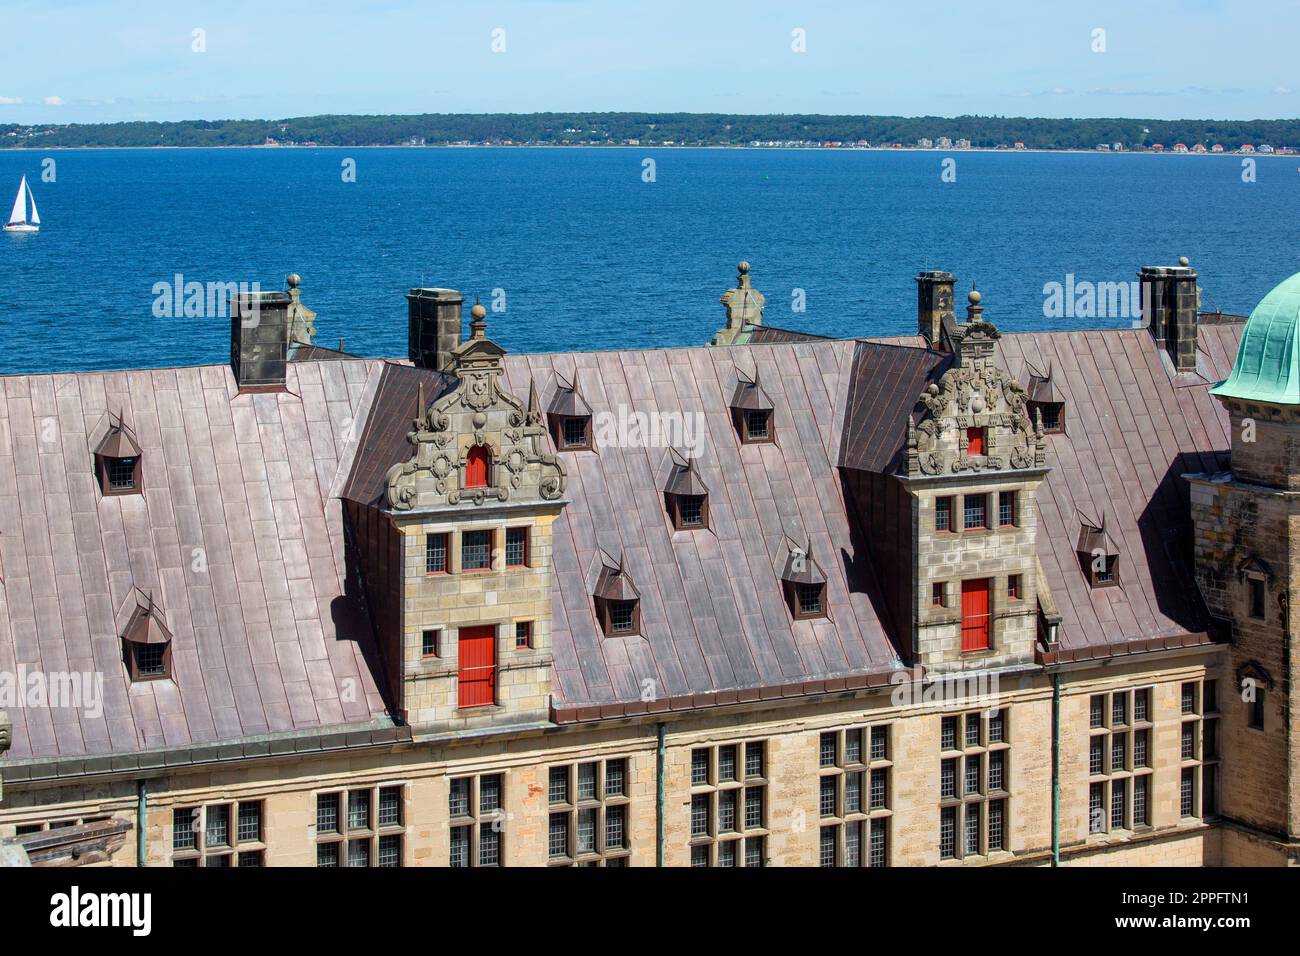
957 596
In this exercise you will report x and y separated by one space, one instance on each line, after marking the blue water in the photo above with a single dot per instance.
590 256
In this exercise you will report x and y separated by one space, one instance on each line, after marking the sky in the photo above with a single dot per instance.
101 61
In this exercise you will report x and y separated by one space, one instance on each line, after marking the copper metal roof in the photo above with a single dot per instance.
266 634
234 536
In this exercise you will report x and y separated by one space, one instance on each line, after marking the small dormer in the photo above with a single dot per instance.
618 602
569 417
146 642
686 496
1045 402
117 460
751 412
804 583
1098 553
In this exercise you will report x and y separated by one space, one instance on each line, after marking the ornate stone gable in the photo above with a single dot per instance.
974 394
477 414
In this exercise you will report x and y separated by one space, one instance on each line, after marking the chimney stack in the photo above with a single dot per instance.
1170 304
434 326
934 304
259 339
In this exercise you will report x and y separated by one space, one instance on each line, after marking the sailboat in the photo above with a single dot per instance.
18 221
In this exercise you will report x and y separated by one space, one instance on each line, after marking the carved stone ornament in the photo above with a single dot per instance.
975 393
477 412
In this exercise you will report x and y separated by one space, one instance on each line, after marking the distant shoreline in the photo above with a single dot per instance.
679 146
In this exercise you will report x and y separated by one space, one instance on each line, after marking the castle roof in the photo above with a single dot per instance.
1268 362
267 630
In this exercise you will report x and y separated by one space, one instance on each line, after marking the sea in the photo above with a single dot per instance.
578 249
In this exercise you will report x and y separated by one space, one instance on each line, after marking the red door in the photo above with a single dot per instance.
478 666
476 467
975 615
974 442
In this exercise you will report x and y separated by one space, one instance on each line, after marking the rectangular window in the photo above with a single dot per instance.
827 854
1189 741
690 511
150 660
1013 587
879 743
727 763
1097 711
996 727
828 750
429 643
753 760
476 678
1187 792
1117 792
1097 754
879 841
1142 705
975 616
476 823
997 763
975 512
575 432
700 766
348 831
250 823
948 733
948 833
938 595
810 599
523 635
121 473
1118 710
516 547
1257 709
756 424
1097 808
435 553
1189 698
948 779
974 442
1140 801
476 550
997 809
1256 598
943 514
853 746
1006 509
622 616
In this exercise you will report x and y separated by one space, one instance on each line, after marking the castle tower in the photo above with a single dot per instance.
1247 546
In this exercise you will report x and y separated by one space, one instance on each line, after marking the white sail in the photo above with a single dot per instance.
19 213
36 217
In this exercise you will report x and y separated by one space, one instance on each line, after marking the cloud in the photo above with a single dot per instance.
1283 90
53 101
10 100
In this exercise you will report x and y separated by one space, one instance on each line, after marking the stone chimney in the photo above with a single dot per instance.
933 304
744 306
259 338
434 326
1170 303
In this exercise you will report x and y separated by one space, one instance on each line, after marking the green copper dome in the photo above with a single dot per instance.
1268 362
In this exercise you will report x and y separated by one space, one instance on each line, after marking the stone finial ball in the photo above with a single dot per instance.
743 266
478 311
973 297
293 279
1182 260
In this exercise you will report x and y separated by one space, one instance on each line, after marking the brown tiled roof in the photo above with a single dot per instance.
886 388
391 416
713 616
1132 430
234 538
773 335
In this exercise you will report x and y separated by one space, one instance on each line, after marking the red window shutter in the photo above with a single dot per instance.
974 441
477 683
975 615
476 467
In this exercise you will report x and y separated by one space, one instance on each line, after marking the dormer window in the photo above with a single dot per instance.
618 603
804 584
1098 554
686 496
975 442
1045 401
569 418
147 644
117 461
751 410
478 467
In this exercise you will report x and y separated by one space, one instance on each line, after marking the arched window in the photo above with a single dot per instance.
478 466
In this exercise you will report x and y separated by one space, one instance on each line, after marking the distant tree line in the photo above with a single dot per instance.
693 129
